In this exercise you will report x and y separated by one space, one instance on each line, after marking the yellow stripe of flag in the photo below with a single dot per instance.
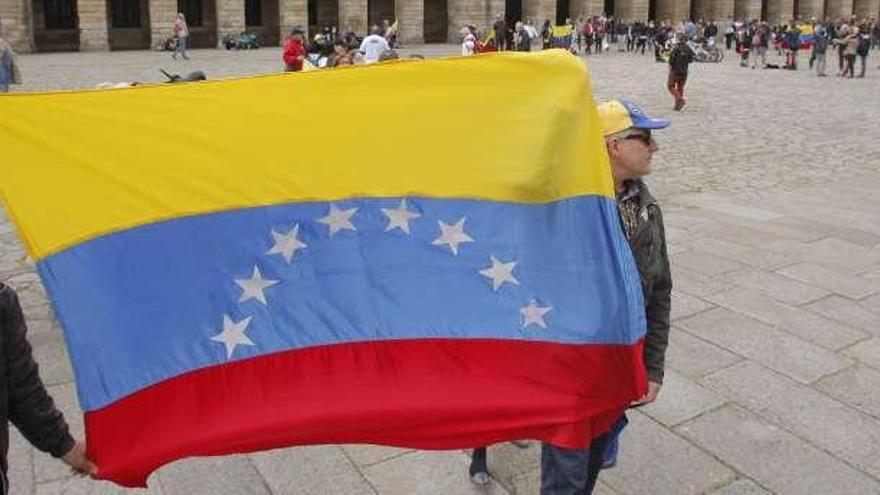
505 127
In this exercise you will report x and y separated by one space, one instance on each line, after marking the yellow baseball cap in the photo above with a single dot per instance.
619 115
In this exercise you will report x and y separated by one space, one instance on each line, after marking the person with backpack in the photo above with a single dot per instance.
679 60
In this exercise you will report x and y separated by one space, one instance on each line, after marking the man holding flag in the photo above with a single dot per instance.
627 129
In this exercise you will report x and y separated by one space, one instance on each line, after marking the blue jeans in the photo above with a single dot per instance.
575 471
613 446
180 48
571 471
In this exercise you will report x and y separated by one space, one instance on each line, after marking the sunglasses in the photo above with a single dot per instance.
644 137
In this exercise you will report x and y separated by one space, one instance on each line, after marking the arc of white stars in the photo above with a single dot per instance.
499 273
338 219
287 244
252 288
399 217
534 314
452 235
233 334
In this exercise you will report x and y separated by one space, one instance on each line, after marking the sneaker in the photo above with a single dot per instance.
478 470
480 478
610 463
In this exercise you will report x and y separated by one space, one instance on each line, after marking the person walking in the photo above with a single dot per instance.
760 42
679 61
181 34
862 49
851 46
793 40
820 47
630 147
9 70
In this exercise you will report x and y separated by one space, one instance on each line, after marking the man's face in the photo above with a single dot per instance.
630 152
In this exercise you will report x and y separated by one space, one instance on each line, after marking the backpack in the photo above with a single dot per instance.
679 60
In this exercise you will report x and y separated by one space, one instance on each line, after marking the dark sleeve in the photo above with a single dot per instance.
657 312
30 407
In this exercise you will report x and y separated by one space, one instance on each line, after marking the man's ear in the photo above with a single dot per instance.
613 147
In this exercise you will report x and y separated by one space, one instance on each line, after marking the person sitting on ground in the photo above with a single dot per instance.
373 45
294 51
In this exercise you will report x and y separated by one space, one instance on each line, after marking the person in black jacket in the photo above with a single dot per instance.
630 145
679 61
24 400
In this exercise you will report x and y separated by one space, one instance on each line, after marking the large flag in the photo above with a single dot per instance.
396 254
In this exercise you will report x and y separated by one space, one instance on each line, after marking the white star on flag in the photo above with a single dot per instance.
499 273
399 217
233 334
534 314
252 288
452 235
338 219
286 244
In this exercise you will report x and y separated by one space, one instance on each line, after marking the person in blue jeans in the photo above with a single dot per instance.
630 145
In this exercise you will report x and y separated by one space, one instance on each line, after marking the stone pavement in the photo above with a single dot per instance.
769 182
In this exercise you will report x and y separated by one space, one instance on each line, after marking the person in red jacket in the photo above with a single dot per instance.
294 51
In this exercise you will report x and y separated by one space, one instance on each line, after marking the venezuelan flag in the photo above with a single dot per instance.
339 256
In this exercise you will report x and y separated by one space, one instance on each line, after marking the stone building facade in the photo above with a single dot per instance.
54 25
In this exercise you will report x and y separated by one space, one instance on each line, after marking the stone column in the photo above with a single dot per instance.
353 16
162 16
230 18
15 24
702 9
588 8
838 9
410 16
468 12
631 10
747 9
673 10
781 10
721 10
93 34
866 9
811 8
539 11
293 14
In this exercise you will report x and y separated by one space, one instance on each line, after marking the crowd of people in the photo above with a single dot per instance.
329 48
851 39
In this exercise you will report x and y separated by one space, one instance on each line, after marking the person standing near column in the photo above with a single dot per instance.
9 71
181 33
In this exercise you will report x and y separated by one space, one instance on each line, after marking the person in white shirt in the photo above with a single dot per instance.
468 41
373 45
